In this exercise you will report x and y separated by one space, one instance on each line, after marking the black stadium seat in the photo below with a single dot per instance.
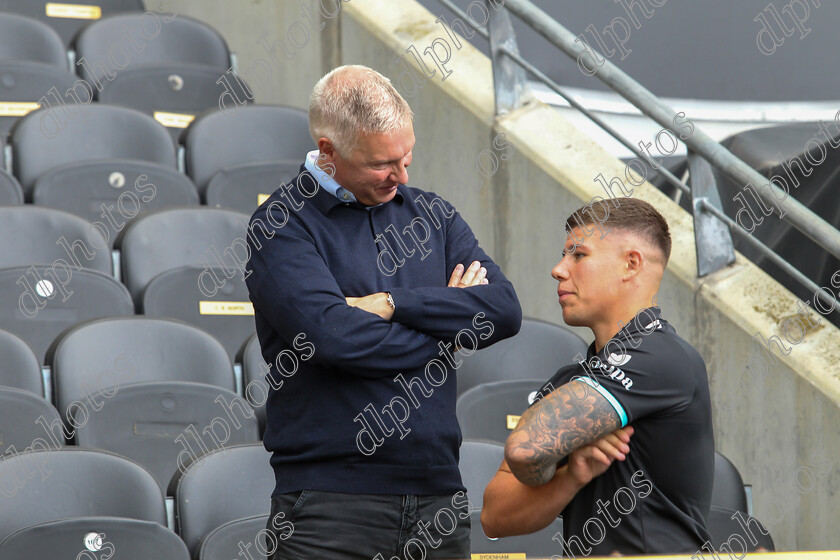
728 489
173 93
490 411
163 425
33 235
536 545
147 388
11 193
24 419
807 166
244 187
172 238
20 368
223 543
726 529
90 356
25 38
111 193
24 84
75 482
221 487
227 314
37 311
253 133
68 17
100 132
146 39
94 537
478 465
254 370
729 502
536 352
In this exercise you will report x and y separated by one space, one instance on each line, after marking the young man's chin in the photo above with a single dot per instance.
574 319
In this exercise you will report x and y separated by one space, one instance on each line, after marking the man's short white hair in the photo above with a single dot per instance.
352 100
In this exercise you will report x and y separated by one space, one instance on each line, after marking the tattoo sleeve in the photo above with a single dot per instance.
568 418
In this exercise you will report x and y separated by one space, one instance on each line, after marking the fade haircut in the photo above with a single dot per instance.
629 215
352 100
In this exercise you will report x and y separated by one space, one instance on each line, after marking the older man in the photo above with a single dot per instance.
362 288
650 495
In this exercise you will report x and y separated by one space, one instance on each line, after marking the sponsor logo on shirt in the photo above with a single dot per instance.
612 371
618 359
653 325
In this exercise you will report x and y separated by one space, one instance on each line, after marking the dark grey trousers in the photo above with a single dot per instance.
312 524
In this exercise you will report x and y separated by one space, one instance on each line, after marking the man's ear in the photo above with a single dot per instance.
634 261
328 151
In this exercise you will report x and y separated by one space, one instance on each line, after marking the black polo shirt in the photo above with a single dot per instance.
655 501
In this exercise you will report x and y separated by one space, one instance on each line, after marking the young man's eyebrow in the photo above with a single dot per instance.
575 248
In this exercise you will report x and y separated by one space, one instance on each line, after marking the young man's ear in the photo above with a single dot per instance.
634 260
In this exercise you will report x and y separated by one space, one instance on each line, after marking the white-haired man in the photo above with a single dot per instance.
355 281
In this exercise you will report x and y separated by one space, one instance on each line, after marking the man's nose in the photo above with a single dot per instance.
559 271
400 174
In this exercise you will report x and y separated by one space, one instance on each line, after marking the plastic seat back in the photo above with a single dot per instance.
101 357
728 488
165 425
46 139
221 487
250 134
254 370
42 302
21 368
119 42
491 410
25 38
94 537
537 351
173 238
244 187
24 421
225 312
223 543
73 482
111 193
68 18
11 193
174 93
33 235
26 86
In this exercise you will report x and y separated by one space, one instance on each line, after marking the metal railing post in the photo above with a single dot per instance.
509 80
712 240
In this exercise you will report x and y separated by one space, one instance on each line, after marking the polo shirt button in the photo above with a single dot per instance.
345 196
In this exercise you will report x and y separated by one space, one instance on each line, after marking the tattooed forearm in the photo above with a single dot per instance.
565 420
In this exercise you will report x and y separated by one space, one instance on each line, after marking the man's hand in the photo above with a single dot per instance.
590 461
374 303
473 276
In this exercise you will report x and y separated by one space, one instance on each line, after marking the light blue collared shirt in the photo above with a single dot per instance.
325 180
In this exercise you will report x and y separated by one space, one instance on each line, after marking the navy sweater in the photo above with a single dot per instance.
359 404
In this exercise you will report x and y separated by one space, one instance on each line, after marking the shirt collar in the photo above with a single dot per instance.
325 180
325 203
646 321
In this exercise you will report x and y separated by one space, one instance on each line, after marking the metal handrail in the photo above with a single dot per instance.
824 234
